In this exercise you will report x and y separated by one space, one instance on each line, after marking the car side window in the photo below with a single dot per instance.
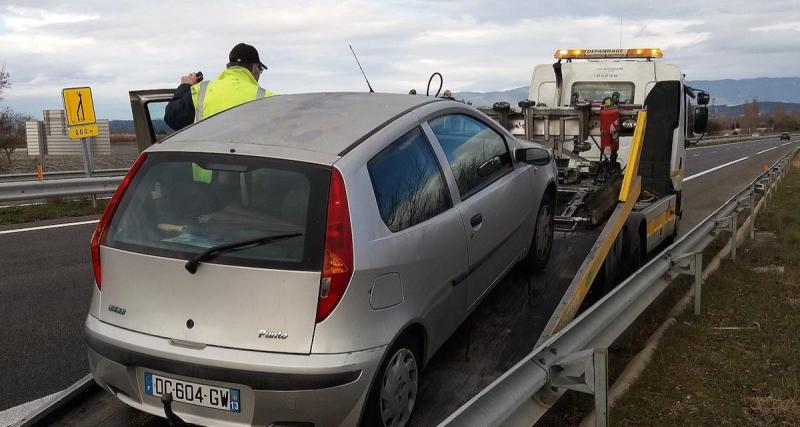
408 182
477 154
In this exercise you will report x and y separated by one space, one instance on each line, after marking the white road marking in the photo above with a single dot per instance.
45 227
689 178
785 144
756 141
764 151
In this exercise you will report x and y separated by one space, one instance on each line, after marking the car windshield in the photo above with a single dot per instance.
179 205
598 91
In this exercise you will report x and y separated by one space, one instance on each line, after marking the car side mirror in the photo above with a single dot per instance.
534 156
700 119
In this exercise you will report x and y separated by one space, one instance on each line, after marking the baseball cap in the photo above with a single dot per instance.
243 54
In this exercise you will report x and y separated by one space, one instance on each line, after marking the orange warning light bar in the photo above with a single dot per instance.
608 53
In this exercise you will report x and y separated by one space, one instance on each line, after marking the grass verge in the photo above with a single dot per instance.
50 210
737 363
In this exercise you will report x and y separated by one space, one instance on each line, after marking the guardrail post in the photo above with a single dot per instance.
586 372
768 192
692 263
734 228
753 212
601 387
697 270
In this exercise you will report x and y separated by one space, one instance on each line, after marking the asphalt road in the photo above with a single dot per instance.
46 279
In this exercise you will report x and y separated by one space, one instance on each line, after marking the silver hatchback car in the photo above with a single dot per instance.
298 259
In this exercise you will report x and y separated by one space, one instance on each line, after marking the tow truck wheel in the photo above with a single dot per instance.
542 239
631 249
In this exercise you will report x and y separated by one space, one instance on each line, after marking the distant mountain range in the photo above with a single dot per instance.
726 95
738 110
737 92
126 126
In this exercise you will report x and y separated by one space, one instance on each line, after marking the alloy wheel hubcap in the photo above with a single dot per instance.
399 389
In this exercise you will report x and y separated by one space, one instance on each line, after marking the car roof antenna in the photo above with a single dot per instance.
362 70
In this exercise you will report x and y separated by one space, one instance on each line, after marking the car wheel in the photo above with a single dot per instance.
394 391
542 240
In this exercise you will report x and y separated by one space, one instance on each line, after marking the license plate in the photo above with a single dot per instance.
209 396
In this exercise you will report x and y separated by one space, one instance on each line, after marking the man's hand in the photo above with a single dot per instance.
189 78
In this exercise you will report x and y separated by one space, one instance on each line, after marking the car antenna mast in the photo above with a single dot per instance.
360 68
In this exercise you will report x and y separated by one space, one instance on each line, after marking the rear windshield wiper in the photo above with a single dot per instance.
215 251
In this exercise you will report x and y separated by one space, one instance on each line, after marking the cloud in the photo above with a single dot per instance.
477 45
781 26
25 19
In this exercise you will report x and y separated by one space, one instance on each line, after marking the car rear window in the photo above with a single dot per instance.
178 205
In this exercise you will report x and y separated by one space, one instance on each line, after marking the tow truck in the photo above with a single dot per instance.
618 122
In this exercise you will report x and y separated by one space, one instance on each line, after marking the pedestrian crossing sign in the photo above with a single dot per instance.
78 106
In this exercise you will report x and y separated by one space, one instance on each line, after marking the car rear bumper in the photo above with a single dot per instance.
322 389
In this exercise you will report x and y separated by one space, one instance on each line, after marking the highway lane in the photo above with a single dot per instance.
46 283
744 161
45 279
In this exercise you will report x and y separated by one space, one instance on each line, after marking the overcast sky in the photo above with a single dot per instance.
117 46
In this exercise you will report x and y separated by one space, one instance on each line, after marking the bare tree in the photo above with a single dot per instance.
12 125
751 118
5 81
12 132
779 117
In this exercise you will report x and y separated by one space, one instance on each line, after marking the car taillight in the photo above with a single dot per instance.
99 235
337 262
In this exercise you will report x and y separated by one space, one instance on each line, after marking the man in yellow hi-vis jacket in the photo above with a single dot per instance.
236 85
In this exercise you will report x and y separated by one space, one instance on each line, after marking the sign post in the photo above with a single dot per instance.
79 109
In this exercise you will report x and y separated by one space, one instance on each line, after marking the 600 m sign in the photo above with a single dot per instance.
76 132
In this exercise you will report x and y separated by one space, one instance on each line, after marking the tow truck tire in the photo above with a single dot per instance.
676 228
542 239
632 250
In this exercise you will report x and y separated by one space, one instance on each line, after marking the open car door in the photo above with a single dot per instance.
148 108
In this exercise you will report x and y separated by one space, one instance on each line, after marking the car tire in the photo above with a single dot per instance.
542 239
394 390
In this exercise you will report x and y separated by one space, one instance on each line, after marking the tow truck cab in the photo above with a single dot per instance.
563 112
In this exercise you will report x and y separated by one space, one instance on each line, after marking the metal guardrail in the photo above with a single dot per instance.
576 357
719 140
21 177
50 188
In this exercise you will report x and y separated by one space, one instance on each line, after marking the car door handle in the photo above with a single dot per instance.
476 220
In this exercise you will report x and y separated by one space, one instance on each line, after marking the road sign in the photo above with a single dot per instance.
85 131
78 106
